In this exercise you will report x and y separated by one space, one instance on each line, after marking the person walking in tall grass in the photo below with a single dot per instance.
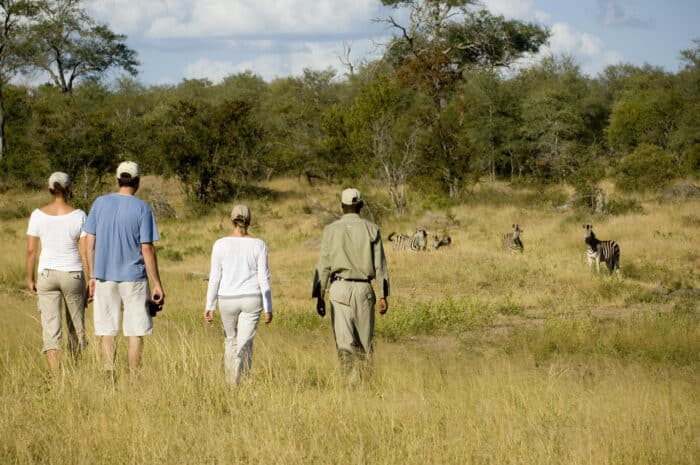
58 226
239 280
352 255
121 230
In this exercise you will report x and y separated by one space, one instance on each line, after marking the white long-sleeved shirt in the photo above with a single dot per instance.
239 267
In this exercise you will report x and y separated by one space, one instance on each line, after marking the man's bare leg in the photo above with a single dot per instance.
109 353
54 357
134 352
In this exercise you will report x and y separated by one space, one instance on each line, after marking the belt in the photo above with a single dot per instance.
351 280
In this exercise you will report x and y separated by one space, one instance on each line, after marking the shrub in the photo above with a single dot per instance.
647 168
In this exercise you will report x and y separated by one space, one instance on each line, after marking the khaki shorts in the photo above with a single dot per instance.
109 297
53 287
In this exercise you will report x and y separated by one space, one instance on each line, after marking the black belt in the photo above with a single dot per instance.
352 280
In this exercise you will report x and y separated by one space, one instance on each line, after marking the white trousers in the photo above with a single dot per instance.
240 317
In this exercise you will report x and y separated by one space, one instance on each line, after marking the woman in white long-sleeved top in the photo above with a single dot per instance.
240 281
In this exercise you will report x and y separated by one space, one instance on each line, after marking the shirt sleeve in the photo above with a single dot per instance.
90 226
33 228
323 268
380 267
214 279
264 279
82 223
149 229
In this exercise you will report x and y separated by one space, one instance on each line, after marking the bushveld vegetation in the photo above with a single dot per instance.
484 356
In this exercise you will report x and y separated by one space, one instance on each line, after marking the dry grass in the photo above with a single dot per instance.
484 358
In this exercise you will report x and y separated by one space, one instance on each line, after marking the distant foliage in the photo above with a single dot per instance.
648 168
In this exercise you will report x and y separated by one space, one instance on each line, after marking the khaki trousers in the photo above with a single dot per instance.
53 287
352 316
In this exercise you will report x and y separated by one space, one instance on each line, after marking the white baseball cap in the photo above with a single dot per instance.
61 178
350 196
130 168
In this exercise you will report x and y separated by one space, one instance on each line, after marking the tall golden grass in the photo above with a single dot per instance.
484 357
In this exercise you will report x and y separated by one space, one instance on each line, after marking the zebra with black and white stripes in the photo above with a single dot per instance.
403 242
606 251
511 241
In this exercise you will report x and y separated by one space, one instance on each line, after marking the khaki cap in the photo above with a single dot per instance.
350 196
61 178
241 212
128 167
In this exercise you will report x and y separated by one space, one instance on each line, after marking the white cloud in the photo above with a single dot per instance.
270 65
215 71
161 19
589 50
516 9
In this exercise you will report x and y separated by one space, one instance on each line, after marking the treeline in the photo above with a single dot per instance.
441 109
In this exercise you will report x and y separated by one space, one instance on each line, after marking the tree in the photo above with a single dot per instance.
646 111
68 45
12 14
295 111
445 38
374 127
213 149
78 136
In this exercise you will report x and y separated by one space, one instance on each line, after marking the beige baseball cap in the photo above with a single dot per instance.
61 178
128 167
241 212
350 196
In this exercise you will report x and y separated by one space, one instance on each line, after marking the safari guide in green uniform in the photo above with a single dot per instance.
352 255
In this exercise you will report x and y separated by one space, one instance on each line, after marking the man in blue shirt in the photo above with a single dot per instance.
120 231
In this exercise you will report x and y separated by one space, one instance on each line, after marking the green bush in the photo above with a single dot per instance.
692 160
647 168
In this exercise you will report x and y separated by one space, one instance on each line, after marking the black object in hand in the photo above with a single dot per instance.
321 308
153 308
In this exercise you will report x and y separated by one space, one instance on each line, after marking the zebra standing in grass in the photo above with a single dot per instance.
416 243
606 251
511 241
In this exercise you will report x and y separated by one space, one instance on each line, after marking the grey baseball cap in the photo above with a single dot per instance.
61 178
241 212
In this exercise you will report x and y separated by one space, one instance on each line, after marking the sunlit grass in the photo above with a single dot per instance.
484 357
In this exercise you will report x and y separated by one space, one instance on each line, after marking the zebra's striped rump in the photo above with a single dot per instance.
511 241
607 252
403 242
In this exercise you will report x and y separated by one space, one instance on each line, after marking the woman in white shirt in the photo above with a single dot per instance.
58 227
240 281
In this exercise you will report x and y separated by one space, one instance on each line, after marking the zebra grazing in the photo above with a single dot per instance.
606 251
511 241
416 243
443 241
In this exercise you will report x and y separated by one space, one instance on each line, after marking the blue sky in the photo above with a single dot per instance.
178 39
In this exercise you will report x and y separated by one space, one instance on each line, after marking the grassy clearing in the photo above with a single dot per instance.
484 357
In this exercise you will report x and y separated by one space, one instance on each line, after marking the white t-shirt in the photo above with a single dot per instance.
239 268
59 237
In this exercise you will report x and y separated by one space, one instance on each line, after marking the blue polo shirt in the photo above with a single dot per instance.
120 224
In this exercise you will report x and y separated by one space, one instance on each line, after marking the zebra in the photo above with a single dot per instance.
511 241
438 241
416 243
606 251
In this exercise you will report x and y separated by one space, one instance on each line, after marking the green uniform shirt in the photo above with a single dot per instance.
351 248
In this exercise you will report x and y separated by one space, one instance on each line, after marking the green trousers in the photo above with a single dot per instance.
352 316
